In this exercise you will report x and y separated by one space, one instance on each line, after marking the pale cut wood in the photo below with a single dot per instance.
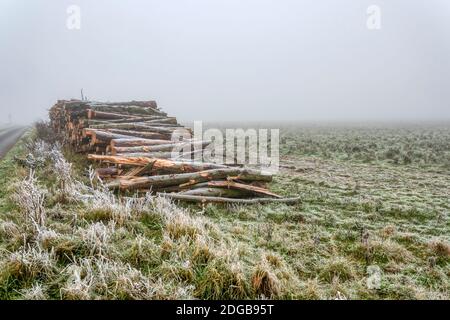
136 119
92 114
107 172
129 110
215 192
136 136
161 155
158 164
142 134
160 147
243 187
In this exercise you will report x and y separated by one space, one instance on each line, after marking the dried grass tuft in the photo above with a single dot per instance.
97 237
106 279
29 263
440 248
264 281
36 292
30 198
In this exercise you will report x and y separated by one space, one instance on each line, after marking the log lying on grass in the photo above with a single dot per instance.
107 172
138 126
163 155
92 114
214 192
129 110
99 136
190 178
138 119
136 142
157 164
160 147
137 151
153 134
204 199
107 136
242 187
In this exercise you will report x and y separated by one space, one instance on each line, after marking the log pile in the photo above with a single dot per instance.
132 142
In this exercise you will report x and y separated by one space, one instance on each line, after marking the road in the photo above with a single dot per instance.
8 138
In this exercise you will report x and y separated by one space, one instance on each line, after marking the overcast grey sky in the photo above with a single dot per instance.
231 59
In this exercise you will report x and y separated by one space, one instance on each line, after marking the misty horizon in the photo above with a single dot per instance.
257 61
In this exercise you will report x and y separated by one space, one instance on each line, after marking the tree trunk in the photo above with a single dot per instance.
138 134
158 164
162 155
139 126
136 119
158 148
167 120
129 110
216 192
191 178
99 136
204 199
92 114
136 142
243 187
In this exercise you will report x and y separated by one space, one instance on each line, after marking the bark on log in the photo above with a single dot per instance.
129 124
132 142
142 132
107 172
162 155
159 148
158 164
138 134
92 114
168 120
215 192
137 119
138 126
130 110
144 104
124 126
138 171
202 199
243 187
99 136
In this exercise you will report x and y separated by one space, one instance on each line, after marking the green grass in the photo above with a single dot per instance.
362 206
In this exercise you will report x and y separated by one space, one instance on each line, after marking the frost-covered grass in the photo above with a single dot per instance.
64 236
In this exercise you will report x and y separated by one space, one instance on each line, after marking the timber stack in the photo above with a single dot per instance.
132 142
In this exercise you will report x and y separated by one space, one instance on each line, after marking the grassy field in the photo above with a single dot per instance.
376 200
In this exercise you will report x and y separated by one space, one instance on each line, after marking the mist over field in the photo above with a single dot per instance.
254 60
333 185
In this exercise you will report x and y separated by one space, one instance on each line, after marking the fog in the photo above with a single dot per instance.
228 60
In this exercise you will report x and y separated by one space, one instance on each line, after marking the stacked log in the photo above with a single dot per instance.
132 142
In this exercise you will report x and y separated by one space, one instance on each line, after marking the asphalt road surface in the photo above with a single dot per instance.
8 138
